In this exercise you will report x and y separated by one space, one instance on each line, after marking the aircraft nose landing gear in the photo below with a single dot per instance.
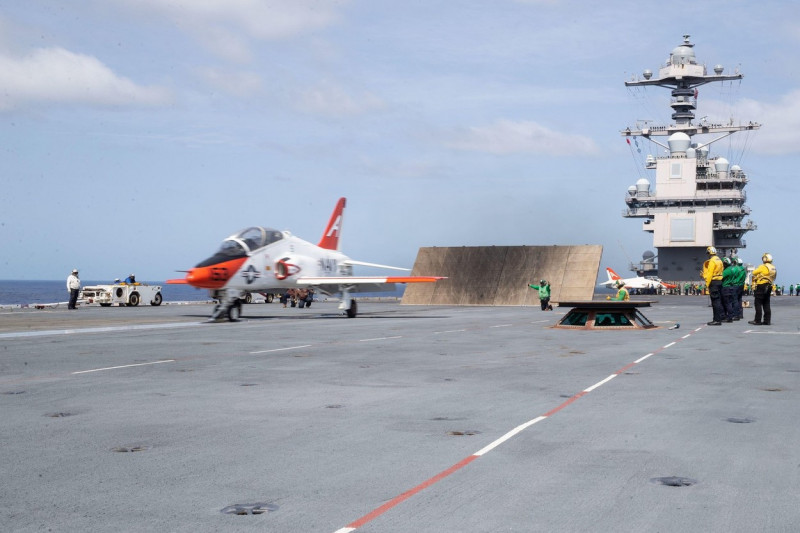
230 306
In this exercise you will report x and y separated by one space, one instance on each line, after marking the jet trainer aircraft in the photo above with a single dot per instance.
638 282
260 259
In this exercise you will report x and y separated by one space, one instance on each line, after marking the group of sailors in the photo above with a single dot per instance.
726 278
297 297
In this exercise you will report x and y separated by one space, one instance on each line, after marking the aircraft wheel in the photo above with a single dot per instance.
351 313
248 299
235 312
157 299
270 297
133 299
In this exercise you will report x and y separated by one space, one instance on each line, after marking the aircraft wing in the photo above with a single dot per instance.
333 285
362 263
333 289
359 280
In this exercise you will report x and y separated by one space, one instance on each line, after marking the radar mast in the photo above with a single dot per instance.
699 198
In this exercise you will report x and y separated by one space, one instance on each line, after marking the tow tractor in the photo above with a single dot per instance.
130 294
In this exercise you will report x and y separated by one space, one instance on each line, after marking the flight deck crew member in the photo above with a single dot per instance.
544 294
740 280
763 278
74 287
130 280
622 293
729 289
712 274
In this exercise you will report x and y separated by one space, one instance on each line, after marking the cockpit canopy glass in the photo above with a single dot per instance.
257 237
242 244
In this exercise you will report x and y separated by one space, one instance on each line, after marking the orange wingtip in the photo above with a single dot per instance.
181 281
413 279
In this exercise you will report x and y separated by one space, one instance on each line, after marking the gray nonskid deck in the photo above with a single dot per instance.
148 419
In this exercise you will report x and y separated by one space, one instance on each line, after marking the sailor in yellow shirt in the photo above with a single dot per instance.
763 278
712 275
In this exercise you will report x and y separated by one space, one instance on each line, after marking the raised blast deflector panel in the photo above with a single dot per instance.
499 275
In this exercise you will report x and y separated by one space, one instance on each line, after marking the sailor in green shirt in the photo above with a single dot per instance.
729 278
622 294
544 294
740 281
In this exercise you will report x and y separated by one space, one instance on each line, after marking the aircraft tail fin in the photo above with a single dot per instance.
330 237
612 276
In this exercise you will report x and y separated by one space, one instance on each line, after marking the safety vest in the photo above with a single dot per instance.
766 273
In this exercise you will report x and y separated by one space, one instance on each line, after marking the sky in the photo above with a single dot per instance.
137 134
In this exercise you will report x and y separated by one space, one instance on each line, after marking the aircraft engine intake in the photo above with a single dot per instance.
286 268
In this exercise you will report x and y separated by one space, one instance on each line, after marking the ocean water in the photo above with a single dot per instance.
16 292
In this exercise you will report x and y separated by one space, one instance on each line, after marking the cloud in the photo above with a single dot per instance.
780 131
223 26
506 137
55 75
331 100
780 121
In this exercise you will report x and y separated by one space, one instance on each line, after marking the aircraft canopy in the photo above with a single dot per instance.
253 238
242 244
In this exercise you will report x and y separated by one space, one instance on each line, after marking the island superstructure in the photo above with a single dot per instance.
699 198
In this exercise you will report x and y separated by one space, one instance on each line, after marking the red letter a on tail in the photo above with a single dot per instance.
330 238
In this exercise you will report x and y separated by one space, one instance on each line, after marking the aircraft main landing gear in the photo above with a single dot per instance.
348 305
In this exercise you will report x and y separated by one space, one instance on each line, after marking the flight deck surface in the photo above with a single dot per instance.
405 418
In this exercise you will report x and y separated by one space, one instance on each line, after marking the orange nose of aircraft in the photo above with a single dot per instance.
214 276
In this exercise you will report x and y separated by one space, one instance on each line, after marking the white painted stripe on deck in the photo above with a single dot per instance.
282 349
123 366
107 329
501 440
381 338
600 383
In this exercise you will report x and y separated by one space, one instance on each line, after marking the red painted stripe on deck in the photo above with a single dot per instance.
409 493
464 462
